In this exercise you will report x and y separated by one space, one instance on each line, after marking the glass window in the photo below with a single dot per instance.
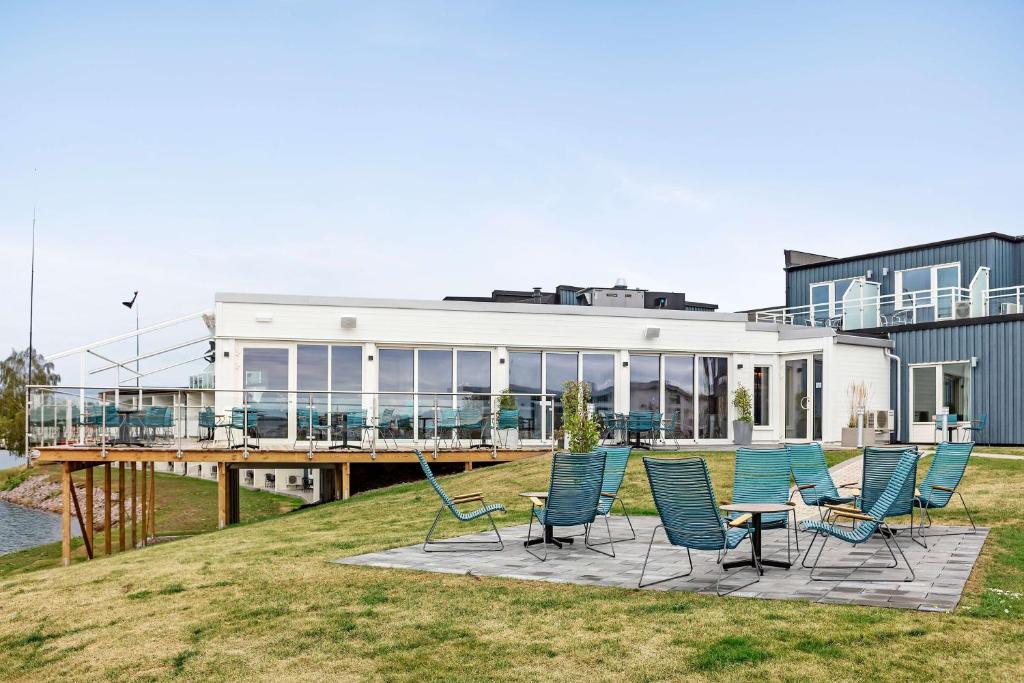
435 375
820 299
644 382
524 377
265 373
395 368
679 397
474 376
762 396
561 368
346 375
599 373
923 383
839 289
713 393
947 282
311 375
956 379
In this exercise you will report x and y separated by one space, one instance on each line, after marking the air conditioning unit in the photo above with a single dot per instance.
963 310
884 419
1005 309
869 419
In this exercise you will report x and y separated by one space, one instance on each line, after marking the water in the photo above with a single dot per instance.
22 527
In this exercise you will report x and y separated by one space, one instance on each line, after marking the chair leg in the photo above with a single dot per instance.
529 537
477 546
723 572
853 568
641 584
609 542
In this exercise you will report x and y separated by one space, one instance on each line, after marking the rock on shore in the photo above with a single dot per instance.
41 493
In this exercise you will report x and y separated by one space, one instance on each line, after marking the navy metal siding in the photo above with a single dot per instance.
997 383
1004 258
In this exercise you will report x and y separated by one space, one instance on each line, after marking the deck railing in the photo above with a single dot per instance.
891 310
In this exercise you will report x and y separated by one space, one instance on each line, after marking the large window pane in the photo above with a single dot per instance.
762 396
435 375
947 280
679 397
820 301
474 377
956 389
396 376
561 367
346 375
713 388
599 373
265 373
311 375
525 378
923 383
644 383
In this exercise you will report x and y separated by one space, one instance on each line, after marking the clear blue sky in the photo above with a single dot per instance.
417 150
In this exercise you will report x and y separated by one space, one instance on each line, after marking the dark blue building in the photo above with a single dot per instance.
955 311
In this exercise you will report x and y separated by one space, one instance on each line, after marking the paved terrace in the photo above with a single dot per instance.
941 571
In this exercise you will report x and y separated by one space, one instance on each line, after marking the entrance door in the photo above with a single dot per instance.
798 403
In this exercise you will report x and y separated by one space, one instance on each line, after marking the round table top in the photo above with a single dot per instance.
534 494
757 508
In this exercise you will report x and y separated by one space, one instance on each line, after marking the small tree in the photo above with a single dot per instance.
506 401
742 403
583 431
13 373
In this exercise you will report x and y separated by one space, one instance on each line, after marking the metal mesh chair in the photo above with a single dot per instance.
814 482
508 418
451 504
573 496
615 463
941 482
445 420
247 421
871 519
690 516
469 420
640 422
976 427
762 476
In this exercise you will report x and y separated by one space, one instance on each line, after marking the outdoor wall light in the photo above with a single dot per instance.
974 361
348 322
885 271
369 358
625 363
501 361
652 332
869 274
227 354
264 318
739 366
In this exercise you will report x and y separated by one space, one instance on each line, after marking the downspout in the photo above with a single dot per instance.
899 375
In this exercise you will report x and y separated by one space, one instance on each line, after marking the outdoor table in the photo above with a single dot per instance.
124 428
344 435
549 531
755 510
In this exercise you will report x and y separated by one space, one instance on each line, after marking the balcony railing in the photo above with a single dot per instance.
891 310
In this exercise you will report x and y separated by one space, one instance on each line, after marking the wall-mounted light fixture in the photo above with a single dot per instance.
264 318
369 358
348 322
652 332
869 273
739 366
885 271
227 354
974 361
625 363
501 361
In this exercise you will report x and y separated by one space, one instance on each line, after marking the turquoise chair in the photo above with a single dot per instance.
615 462
941 428
762 476
814 482
247 421
871 519
573 496
307 420
469 420
690 516
640 422
942 482
508 418
451 504
207 425
387 426
976 428
446 420
343 423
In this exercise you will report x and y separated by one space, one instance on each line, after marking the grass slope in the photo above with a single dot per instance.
263 601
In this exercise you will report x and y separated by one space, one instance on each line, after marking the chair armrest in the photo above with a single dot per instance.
845 508
854 515
804 487
468 497
740 521
791 503
943 488
537 501
851 485
608 495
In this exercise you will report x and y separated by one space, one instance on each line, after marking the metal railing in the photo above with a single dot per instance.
181 419
891 310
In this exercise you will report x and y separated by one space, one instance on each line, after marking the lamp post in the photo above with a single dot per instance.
130 305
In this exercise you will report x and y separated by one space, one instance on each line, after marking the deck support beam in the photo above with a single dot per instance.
66 493
145 505
223 496
106 508
90 522
121 519
346 479
468 466
152 502
135 505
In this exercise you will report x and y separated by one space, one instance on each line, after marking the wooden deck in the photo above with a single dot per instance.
229 462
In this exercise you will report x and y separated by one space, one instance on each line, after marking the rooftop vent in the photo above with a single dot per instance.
620 283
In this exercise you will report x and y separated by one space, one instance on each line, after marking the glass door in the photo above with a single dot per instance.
798 402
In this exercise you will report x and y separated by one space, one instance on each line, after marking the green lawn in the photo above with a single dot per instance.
264 602
184 506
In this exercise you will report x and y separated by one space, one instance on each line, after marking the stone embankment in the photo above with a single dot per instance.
41 493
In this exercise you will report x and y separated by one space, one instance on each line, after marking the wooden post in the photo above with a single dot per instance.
145 504
337 482
346 476
135 509
120 507
106 508
65 549
152 501
469 466
222 495
90 523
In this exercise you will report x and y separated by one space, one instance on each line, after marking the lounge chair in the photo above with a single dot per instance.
941 482
975 428
814 482
615 462
572 500
508 418
469 420
762 476
451 504
690 516
871 519
879 465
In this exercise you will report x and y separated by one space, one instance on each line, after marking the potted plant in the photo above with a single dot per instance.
508 436
581 429
858 394
743 425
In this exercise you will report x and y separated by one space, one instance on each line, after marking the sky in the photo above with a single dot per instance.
416 150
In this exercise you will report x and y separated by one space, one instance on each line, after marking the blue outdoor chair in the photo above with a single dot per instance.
445 420
814 482
941 426
572 500
640 422
469 420
451 504
306 422
207 425
690 516
976 428
387 426
247 421
762 476
508 418
941 482
872 518
615 462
